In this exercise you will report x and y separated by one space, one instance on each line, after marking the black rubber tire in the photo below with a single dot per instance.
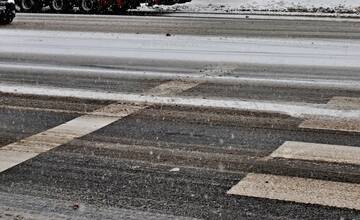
59 6
89 6
123 10
30 5
6 21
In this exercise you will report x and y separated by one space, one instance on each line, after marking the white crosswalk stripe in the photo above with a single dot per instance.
305 190
18 152
337 124
318 152
345 102
301 190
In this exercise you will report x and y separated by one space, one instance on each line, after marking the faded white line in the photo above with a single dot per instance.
345 102
337 124
318 152
18 152
301 190
32 146
292 109
171 88
334 124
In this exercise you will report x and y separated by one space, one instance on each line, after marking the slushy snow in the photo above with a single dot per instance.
236 6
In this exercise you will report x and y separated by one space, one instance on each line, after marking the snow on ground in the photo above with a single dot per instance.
237 6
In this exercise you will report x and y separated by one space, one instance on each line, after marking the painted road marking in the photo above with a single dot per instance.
172 88
318 152
292 109
301 190
12 158
345 102
18 152
337 123
32 146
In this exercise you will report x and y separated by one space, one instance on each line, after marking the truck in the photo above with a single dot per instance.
7 11
89 6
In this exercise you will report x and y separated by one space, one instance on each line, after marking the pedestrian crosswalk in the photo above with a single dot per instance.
309 190
318 152
337 124
286 188
301 190
334 124
23 150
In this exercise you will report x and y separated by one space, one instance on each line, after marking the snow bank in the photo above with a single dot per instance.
237 6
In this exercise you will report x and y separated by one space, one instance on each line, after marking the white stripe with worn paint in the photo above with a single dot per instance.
300 190
334 124
32 146
288 108
18 152
318 152
345 102
337 123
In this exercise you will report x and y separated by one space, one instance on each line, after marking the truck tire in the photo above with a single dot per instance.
59 6
88 6
30 5
122 10
120 6
6 21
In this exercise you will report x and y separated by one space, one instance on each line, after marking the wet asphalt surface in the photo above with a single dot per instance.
167 162
192 25
127 165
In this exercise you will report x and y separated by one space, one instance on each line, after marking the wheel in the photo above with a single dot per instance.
88 6
6 21
121 6
121 10
30 5
59 6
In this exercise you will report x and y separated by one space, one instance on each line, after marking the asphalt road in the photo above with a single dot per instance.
136 126
162 24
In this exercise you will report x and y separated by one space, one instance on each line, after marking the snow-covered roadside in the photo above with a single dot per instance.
240 6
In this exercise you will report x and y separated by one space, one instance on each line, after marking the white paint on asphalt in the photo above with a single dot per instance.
334 124
32 146
289 108
345 102
341 82
18 152
337 124
171 88
10 158
318 152
301 190
302 52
